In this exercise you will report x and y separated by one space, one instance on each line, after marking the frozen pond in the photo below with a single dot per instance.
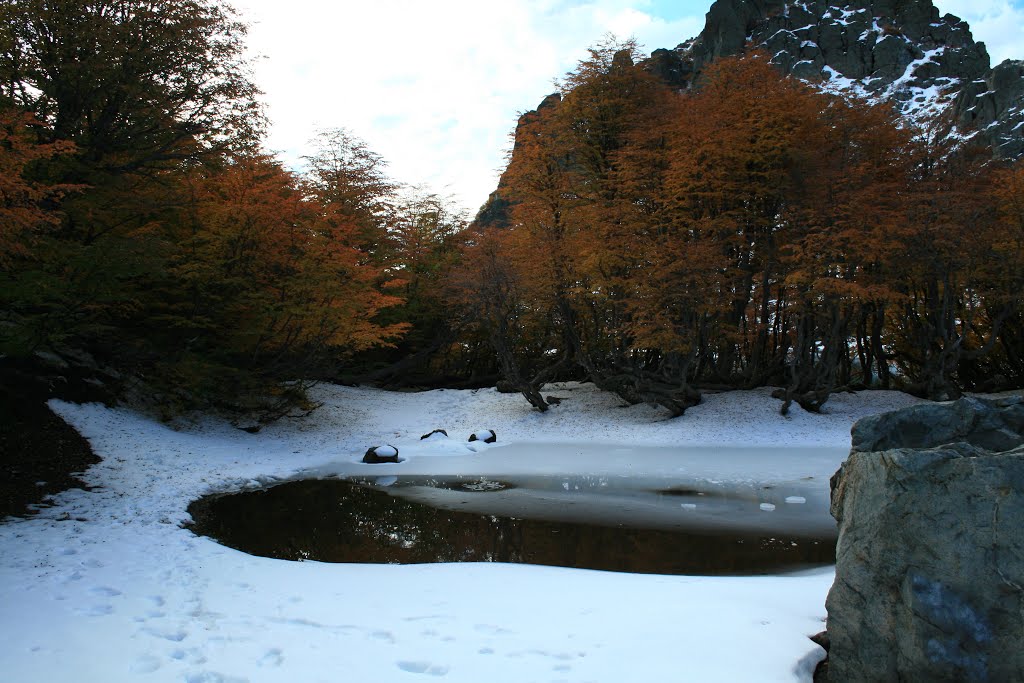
645 510
767 490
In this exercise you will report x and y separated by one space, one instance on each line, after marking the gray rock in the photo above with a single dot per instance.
930 558
992 425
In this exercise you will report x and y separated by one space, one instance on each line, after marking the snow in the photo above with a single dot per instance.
107 586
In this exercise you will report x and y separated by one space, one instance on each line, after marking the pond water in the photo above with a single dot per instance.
583 522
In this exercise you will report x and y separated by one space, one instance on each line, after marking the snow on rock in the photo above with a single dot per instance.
486 435
106 585
381 454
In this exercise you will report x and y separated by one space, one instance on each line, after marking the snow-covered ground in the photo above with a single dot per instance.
107 586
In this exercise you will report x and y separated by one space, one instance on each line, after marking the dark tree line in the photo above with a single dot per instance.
149 245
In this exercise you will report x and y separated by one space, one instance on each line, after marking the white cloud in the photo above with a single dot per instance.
435 88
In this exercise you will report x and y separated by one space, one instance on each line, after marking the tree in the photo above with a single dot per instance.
129 96
24 202
268 287
133 83
582 183
781 200
346 173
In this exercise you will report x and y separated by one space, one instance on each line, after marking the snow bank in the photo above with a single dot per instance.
106 585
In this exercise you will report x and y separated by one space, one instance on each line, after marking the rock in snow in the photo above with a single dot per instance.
930 560
487 436
381 454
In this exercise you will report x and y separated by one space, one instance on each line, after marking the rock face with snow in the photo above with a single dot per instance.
898 51
930 559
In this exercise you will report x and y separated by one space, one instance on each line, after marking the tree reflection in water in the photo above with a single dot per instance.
339 521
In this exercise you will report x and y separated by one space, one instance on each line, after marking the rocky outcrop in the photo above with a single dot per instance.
994 106
898 51
930 558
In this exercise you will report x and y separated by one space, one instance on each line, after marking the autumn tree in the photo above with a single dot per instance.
582 183
780 203
426 234
133 83
1005 367
132 92
345 172
957 271
24 202
267 289
491 298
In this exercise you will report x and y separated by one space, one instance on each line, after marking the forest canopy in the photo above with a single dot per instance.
750 231
148 242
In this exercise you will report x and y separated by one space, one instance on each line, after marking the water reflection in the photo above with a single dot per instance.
339 521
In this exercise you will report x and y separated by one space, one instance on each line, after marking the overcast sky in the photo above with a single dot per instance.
436 86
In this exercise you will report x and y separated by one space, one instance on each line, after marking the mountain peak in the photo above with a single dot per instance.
897 51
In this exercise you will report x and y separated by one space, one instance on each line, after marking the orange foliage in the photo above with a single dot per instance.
22 211
280 267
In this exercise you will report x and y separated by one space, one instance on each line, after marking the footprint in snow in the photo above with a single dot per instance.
146 664
273 658
175 636
213 677
73 576
420 667
95 610
105 591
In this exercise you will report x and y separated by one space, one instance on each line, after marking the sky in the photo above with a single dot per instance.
435 88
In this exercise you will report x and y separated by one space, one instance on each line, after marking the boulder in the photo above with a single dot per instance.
487 436
436 433
381 454
930 557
